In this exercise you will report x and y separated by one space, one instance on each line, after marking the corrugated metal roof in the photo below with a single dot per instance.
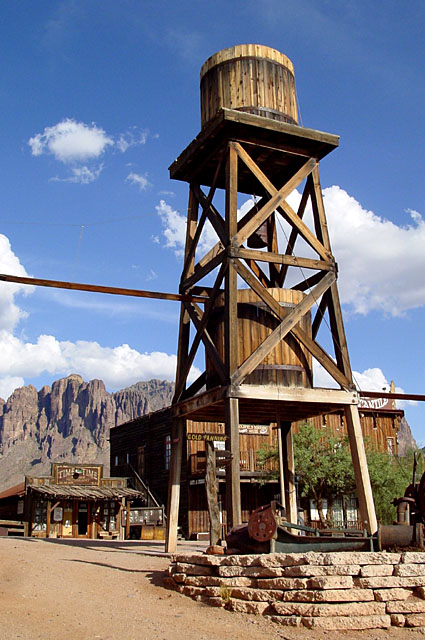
85 493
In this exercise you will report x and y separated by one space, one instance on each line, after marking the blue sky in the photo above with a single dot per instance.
97 100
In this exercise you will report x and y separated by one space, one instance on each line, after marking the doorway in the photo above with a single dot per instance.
83 518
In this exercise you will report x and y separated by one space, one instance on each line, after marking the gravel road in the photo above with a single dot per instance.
113 591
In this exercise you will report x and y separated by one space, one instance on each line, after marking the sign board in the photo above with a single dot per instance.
377 403
57 514
252 429
77 474
206 437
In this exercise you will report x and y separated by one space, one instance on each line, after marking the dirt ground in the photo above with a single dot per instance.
56 590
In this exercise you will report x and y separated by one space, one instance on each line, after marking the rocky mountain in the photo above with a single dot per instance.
406 441
69 421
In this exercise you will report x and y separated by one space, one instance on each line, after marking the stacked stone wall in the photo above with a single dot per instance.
314 590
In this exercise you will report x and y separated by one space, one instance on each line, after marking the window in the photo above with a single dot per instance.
167 451
39 520
390 446
127 458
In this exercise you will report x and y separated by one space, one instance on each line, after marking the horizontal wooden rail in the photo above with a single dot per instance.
95 288
395 396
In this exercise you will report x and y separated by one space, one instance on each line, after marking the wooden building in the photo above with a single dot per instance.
12 508
75 501
143 446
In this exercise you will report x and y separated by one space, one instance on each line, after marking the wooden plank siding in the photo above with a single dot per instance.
151 431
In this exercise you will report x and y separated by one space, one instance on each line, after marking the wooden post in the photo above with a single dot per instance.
211 489
233 489
179 426
361 471
233 474
281 468
127 520
289 472
48 516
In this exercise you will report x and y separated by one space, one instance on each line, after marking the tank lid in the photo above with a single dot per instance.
246 51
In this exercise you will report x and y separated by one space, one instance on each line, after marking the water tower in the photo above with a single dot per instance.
270 279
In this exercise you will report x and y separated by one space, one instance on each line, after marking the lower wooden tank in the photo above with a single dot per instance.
288 365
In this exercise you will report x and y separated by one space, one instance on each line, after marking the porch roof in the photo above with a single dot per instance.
67 492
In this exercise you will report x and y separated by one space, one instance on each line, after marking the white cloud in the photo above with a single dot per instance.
20 359
81 175
174 230
117 366
8 384
70 141
138 180
369 380
75 144
10 313
174 227
381 264
131 138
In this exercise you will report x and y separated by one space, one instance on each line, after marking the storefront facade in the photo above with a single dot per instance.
76 501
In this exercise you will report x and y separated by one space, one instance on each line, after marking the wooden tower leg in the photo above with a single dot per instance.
361 471
233 489
178 430
281 471
233 474
212 498
289 472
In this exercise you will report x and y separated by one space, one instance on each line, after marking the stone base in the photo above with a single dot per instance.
314 590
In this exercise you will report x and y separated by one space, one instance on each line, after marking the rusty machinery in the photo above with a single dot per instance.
268 531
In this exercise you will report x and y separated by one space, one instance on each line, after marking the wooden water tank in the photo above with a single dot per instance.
288 365
249 77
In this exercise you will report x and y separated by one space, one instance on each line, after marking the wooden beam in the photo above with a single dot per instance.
334 305
395 396
313 347
198 337
195 387
323 358
278 200
307 283
211 489
290 247
294 394
208 398
196 317
289 214
279 258
211 212
201 272
361 471
95 288
320 313
184 325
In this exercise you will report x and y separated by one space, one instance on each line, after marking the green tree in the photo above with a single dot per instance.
324 468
